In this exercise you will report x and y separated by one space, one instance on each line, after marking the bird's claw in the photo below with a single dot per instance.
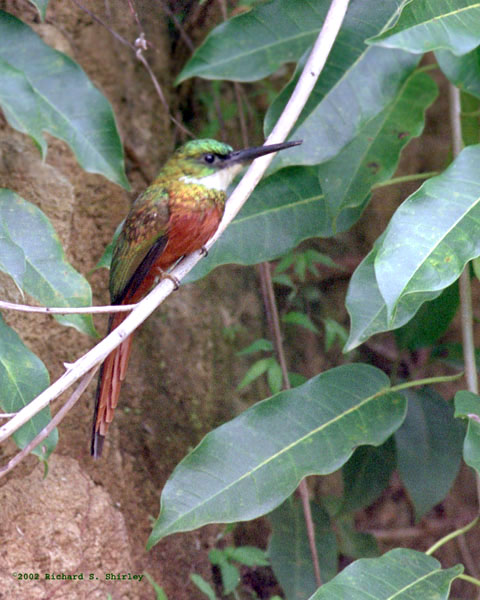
203 251
173 279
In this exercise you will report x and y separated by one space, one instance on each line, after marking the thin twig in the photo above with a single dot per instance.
236 200
404 179
178 26
116 35
452 535
466 310
47 430
59 310
138 47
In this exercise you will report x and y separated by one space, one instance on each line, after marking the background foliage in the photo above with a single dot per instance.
368 104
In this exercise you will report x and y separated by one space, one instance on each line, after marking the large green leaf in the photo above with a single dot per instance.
250 465
22 377
467 405
430 322
355 86
366 306
19 102
374 153
289 550
366 475
431 236
31 253
255 44
400 574
59 98
429 449
284 209
425 25
463 71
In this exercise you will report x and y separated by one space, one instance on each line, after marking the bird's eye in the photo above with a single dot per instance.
209 158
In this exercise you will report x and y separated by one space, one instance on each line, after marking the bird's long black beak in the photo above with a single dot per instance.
243 156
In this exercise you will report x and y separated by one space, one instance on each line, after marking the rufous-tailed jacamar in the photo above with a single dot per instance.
173 217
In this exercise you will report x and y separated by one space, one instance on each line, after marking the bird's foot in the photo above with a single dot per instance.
203 251
173 279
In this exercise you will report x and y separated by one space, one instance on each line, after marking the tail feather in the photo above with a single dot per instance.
112 373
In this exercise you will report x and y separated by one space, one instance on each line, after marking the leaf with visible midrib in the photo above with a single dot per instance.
251 464
346 95
253 45
56 96
373 154
31 253
400 574
444 24
431 236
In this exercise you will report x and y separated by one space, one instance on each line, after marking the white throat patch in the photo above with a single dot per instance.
220 180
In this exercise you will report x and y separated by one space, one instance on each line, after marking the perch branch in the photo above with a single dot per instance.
58 310
143 309
47 430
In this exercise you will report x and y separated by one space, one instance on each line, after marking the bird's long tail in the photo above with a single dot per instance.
112 373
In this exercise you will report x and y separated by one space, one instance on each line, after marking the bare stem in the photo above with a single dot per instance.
46 431
451 536
404 179
466 311
60 310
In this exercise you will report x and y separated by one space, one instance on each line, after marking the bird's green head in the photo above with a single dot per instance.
211 163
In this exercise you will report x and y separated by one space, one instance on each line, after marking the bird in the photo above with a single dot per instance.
176 215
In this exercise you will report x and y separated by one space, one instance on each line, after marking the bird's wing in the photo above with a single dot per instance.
142 239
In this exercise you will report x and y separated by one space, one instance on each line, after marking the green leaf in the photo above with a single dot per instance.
431 236
469 111
285 209
255 371
41 6
233 475
274 377
262 345
159 593
373 155
400 574
366 306
248 555
22 377
366 475
289 549
37 262
353 543
63 101
203 586
467 405
429 449
298 318
444 24
255 44
463 71
431 321
333 331
330 119
18 100
230 576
